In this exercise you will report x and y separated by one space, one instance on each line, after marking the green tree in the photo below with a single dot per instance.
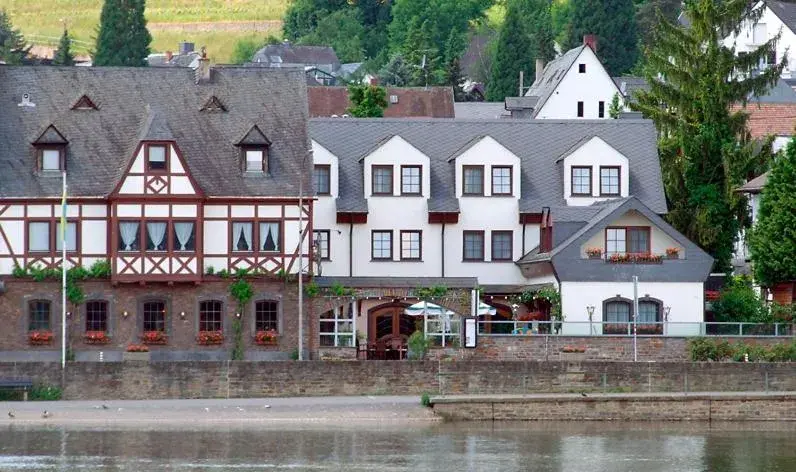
396 72
368 101
740 302
122 39
538 22
343 31
704 147
615 108
63 55
511 56
12 44
773 239
245 48
560 12
453 71
421 55
613 22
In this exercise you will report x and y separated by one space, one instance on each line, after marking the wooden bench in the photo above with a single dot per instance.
19 384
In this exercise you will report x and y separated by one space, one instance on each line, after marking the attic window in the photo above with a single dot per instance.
256 158
156 156
84 103
213 104
581 68
51 158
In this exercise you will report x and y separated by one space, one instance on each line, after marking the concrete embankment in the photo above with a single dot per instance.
708 406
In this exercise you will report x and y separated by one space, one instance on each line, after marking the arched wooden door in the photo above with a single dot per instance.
386 321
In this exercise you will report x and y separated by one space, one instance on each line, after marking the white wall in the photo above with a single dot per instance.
595 153
591 87
685 299
660 240
745 40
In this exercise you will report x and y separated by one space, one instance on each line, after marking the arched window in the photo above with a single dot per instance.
649 312
210 318
39 315
96 315
155 315
616 316
266 315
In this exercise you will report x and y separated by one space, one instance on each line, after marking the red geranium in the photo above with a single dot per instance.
209 338
137 348
266 337
40 337
154 337
96 337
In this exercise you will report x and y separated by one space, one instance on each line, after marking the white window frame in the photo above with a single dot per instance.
613 242
341 316
38 224
69 247
259 156
50 156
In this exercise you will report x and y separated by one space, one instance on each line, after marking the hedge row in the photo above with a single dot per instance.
706 349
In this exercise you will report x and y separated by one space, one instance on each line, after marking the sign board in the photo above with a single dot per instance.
470 332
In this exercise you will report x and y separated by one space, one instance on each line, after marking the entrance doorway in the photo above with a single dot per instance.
390 321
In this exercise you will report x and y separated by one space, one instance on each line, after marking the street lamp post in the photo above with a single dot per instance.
301 258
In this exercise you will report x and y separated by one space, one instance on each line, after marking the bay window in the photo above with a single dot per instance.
156 235
129 236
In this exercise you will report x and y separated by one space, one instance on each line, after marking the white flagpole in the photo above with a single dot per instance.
63 274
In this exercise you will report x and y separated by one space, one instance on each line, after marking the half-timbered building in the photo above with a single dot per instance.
174 178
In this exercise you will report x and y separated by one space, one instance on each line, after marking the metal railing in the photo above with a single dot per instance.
599 328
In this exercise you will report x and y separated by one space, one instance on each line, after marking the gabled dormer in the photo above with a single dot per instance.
213 105
254 146
50 148
84 103
593 170
486 168
394 167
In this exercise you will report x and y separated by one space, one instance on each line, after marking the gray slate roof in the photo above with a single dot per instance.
568 263
780 93
785 11
538 144
287 53
553 72
755 185
480 110
628 84
151 103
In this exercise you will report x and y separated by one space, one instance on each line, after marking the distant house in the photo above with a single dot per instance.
186 56
402 102
574 85
286 54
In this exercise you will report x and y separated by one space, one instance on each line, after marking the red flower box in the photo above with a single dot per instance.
40 338
96 337
635 259
154 337
712 295
573 349
210 338
137 348
266 338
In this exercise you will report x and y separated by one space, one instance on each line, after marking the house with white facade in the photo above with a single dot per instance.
172 177
509 206
775 18
575 85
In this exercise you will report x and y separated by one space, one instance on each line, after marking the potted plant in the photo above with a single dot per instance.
96 337
136 352
154 337
672 252
573 353
40 338
266 338
594 252
210 338
417 346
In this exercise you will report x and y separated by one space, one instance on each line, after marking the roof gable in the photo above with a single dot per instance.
254 137
84 103
213 104
51 135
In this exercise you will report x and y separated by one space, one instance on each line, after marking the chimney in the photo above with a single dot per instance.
185 48
539 68
591 41
202 72
169 55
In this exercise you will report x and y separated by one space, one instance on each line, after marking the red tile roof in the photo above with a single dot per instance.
771 118
419 102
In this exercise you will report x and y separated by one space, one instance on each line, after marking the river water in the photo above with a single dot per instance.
490 447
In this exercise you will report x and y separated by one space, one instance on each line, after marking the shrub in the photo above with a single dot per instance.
425 400
739 302
45 393
418 346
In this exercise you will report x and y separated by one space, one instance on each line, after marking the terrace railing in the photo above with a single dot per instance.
598 328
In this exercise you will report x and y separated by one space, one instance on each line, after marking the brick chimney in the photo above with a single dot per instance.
202 72
169 56
591 41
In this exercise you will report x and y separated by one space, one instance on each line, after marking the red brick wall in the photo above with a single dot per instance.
770 118
180 298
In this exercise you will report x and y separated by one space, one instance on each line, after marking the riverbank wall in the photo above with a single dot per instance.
716 406
241 379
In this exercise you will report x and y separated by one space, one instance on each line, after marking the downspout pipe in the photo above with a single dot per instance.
442 251
351 249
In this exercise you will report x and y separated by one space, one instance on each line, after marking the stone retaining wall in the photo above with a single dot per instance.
665 407
211 379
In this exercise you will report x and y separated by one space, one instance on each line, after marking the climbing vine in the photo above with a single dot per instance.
74 293
548 294
241 290
437 291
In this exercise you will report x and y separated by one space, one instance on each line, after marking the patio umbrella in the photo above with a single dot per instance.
432 309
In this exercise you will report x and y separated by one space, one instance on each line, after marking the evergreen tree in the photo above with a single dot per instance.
367 101
421 55
453 71
512 55
122 39
63 55
396 72
343 31
539 25
12 43
773 239
614 24
616 107
704 147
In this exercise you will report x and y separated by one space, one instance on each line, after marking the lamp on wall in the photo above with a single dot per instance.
182 315
590 311
237 315
68 314
125 314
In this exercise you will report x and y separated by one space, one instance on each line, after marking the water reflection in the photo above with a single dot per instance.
559 447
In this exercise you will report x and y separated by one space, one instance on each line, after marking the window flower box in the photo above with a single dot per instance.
96 337
618 328
594 253
573 349
266 338
154 337
137 352
40 338
210 338
649 329
672 253
634 259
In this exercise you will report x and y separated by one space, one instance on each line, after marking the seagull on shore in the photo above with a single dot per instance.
207 409
46 414
241 409
104 406
583 394
267 406
11 414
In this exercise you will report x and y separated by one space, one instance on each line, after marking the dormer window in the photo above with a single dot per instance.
255 159
51 158
610 181
156 156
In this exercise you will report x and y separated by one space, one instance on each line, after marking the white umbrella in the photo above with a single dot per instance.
432 309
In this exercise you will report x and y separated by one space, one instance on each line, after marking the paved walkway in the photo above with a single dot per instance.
607 396
343 410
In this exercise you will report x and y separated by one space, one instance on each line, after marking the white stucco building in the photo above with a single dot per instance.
511 204
776 18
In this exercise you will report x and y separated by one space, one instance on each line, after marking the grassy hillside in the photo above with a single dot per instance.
214 23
